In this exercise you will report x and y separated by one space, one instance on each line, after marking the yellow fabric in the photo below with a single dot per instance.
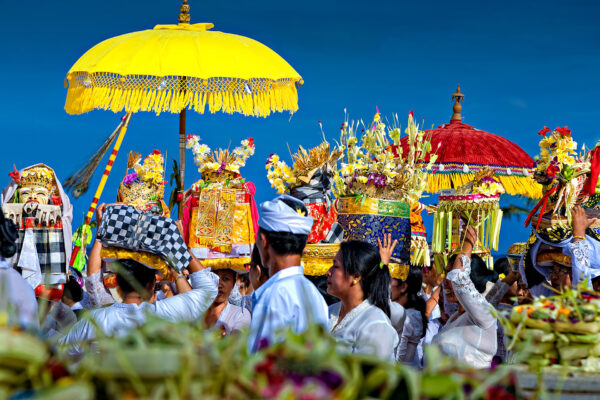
516 185
173 67
204 224
398 271
318 258
243 230
236 263
151 260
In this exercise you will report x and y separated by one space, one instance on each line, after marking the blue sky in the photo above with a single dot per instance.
521 65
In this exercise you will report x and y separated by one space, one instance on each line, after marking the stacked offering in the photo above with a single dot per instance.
310 180
378 184
220 218
564 329
477 204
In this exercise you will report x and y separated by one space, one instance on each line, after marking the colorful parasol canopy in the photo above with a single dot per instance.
463 150
173 68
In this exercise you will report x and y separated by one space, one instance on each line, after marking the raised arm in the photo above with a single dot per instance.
191 304
469 298
500 288
94 285
580 247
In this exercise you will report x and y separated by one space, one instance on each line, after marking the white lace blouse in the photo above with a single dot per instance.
469 337
365 329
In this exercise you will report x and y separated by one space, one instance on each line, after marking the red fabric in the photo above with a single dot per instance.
187 215
49 292
592 182
542 203
253 209
322 221
463 144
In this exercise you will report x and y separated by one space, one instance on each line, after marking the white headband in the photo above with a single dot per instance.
276 216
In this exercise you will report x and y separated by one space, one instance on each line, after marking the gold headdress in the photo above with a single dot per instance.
305 165
145 184
38 177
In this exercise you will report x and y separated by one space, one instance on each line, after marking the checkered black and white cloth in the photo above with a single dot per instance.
126 227
335 234
50 247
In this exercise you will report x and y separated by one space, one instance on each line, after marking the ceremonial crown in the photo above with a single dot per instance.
221 165
146 182
305 165
38 177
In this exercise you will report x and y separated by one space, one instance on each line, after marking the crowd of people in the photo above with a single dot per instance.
374 314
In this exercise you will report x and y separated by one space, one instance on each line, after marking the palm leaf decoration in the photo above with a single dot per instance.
178 188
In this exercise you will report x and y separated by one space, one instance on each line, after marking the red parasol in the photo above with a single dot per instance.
463 150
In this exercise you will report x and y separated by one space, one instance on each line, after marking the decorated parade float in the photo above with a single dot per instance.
379 186
220 216
310 179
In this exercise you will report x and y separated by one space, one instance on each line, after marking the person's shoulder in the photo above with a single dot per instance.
335 308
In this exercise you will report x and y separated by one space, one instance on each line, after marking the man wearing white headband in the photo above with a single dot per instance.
287 299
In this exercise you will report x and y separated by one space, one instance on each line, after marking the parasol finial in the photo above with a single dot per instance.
457 107
184 15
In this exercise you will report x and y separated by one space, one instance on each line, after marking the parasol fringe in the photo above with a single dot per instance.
514 185
237 96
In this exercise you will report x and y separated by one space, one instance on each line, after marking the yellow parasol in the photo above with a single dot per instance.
172 68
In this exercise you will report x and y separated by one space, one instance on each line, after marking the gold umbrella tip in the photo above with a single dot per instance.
184 15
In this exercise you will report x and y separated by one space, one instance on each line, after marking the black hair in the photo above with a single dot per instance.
480 274
133 273
414 282
245 278
233 273
8 236
72 290
502 266
362 258
532 275
257 263
285 243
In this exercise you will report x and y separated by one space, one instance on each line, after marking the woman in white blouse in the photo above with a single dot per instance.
470 334
360 321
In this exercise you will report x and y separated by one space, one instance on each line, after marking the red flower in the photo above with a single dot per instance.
544 131
319 121
155 151
179 197
552 170
563 131
251 141
411 113
15 175
56 200
188 137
